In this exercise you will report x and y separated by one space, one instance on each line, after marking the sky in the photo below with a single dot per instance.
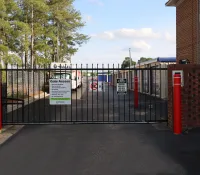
148 27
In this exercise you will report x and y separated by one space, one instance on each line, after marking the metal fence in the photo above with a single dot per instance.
21 82
94 101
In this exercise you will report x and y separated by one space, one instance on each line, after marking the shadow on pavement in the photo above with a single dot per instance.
184 149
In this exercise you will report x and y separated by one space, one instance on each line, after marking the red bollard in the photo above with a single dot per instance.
136 92
177 104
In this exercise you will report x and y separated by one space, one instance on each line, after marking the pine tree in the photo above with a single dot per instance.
10 30
39 31
65 21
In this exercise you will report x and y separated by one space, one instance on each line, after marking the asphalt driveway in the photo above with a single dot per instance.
99 150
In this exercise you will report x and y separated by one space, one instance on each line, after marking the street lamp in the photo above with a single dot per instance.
130 55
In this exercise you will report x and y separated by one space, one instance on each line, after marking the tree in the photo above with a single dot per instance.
64 22
143 59
126 62
39 31
10 31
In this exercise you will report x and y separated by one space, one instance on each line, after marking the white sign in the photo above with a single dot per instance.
179 72
121 86
60 66
60 91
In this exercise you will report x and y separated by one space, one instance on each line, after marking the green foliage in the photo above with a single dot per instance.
143 59
126 63
12 59
3 74
43 30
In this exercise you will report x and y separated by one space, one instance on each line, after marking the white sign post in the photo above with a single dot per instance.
121 86
60 92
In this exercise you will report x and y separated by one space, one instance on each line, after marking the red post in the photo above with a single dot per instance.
177 104
136 92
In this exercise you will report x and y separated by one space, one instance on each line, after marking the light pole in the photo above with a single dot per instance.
130 56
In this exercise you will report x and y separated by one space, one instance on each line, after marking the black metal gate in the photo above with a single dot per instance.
93 100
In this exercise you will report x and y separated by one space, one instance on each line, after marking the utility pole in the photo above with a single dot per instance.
130 56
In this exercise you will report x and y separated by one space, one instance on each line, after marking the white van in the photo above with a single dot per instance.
75 78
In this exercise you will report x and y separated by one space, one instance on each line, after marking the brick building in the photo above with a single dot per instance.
188 47
187 26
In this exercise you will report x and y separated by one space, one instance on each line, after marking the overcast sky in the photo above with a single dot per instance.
148 27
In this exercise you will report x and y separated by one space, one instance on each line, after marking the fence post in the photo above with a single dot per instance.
136 92
1 104
177 104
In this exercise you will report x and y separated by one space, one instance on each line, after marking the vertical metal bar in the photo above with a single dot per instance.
55 107
104 89
92 90
17 93
150 95
60 105
135 73
12 89
139 95
155 98
45 83
6 86
39 94
76 90
113 94
87 91
49 71
119 97
71 92
65 112
108 93
97 94
129 92
125 100
33 93
23 93
160 92
145 94
1 101
81 93
28 95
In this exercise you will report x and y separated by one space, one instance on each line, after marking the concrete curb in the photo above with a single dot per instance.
8 132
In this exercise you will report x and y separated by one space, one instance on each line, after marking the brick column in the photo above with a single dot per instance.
190 94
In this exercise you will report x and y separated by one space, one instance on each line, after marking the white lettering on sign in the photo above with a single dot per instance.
121 86
60 91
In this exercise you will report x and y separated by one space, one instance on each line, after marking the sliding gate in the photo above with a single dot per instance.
99 95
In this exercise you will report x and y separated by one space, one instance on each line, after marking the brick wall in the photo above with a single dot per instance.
186 26
190 93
